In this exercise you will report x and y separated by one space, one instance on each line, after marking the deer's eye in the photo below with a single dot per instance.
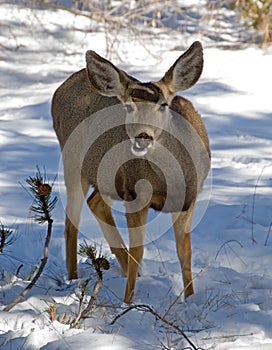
129 108
163 107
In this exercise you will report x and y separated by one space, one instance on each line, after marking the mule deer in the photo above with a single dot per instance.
136 142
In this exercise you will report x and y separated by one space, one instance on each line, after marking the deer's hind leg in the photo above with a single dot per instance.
103 214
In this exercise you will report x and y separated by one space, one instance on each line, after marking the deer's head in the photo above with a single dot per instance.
147 105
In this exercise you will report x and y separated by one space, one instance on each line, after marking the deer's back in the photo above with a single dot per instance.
74 101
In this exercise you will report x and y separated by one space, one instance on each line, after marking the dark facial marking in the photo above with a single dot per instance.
146 92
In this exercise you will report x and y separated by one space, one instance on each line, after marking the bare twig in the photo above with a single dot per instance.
147 308
223 245
81 300
18 270
253 206
268 234
182 292
84 313
90 305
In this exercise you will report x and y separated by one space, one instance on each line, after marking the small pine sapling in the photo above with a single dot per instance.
7 237
99 263
42 207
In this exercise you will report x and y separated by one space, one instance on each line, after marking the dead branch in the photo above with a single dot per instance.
81 300
90 305
147 308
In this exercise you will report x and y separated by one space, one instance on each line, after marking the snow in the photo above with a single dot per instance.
232 304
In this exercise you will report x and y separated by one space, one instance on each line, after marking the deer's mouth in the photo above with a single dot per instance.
141 144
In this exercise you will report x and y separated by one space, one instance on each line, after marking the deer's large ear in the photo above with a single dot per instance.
104 76
186 71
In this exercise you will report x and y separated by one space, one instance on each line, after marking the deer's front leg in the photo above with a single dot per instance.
182 227
103 214
136 225
76 192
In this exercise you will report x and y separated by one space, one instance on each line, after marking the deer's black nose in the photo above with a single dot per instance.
142 141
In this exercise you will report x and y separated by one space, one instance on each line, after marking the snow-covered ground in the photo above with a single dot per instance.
232 238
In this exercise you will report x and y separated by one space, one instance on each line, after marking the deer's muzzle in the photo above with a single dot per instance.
141 144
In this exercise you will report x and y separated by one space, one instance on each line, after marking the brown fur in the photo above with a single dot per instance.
81 108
